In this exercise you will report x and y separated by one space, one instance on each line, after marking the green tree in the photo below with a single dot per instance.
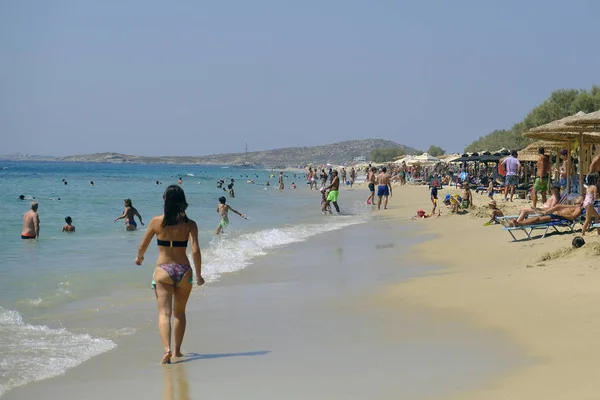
560 104
386 154
436 151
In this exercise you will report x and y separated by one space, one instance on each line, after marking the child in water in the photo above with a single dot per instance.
68 227
324 206
223 210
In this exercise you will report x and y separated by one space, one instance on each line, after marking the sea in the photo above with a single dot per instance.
57 293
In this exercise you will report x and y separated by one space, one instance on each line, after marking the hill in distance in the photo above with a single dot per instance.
337 153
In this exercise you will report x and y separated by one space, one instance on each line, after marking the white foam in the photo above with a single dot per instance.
33 352
226 255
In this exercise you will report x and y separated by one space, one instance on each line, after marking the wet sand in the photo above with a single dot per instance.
325 318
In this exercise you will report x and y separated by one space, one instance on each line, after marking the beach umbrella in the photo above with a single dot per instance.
426 158
592 119
563 130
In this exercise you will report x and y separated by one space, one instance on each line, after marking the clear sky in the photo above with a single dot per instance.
200 77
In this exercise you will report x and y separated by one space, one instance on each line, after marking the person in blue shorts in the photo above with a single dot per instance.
434 198
384 187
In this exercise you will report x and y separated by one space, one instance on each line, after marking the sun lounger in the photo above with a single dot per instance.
528 229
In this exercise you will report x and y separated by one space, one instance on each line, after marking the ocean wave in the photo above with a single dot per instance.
225 255
34 352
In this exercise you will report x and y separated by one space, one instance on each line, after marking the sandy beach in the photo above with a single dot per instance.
442 308
540 293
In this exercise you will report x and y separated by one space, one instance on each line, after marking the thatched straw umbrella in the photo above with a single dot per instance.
591 119
562 130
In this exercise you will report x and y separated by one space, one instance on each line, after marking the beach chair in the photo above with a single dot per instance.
528 229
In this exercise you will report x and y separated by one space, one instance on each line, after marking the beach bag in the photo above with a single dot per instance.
502 169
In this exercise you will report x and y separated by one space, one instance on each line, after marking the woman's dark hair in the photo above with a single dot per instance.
175 206
127 203
68 220
578 242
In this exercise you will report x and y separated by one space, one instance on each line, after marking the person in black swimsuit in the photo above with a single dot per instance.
173 273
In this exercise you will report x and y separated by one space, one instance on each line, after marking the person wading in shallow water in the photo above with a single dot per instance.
334 188
173 274
129 213
31 223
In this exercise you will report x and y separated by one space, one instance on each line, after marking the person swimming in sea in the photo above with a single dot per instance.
223 210
68 227
129 213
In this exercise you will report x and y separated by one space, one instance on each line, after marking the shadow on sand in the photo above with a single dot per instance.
196 356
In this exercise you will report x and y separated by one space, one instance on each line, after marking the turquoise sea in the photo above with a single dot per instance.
54 292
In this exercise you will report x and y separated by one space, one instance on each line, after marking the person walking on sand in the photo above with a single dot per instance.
542 179
223 210
513 169
371 179
591 193
384 187
129 213
352 176
31 223
173 274
334 187
68 227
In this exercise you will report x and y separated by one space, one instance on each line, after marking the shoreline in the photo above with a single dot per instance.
323 315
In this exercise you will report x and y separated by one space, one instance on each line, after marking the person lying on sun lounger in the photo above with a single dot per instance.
551 202
560 212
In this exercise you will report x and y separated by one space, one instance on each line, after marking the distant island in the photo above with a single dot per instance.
337 153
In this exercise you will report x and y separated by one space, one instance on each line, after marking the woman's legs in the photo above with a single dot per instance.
164 301
182 293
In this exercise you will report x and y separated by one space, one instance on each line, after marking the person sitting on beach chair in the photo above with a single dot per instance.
554 200
496 213
560 212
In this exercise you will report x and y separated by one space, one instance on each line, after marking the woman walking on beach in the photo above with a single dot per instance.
173 274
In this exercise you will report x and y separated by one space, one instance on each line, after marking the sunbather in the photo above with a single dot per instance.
560 212
551 202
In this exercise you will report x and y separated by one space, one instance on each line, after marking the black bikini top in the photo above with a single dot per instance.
171 243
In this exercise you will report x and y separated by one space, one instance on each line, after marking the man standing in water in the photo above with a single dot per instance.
384 188
31 223
371 181
542 179
129 213
334 188
281 186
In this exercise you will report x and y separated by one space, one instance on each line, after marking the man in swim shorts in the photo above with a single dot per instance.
371 178
542 179
31 223
384 187
223 210
68 227
129 213
334 188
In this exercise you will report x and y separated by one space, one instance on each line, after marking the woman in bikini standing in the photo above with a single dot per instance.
173 273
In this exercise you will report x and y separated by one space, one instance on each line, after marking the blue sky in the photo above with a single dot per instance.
194 77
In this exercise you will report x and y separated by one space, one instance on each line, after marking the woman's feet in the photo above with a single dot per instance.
166 358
